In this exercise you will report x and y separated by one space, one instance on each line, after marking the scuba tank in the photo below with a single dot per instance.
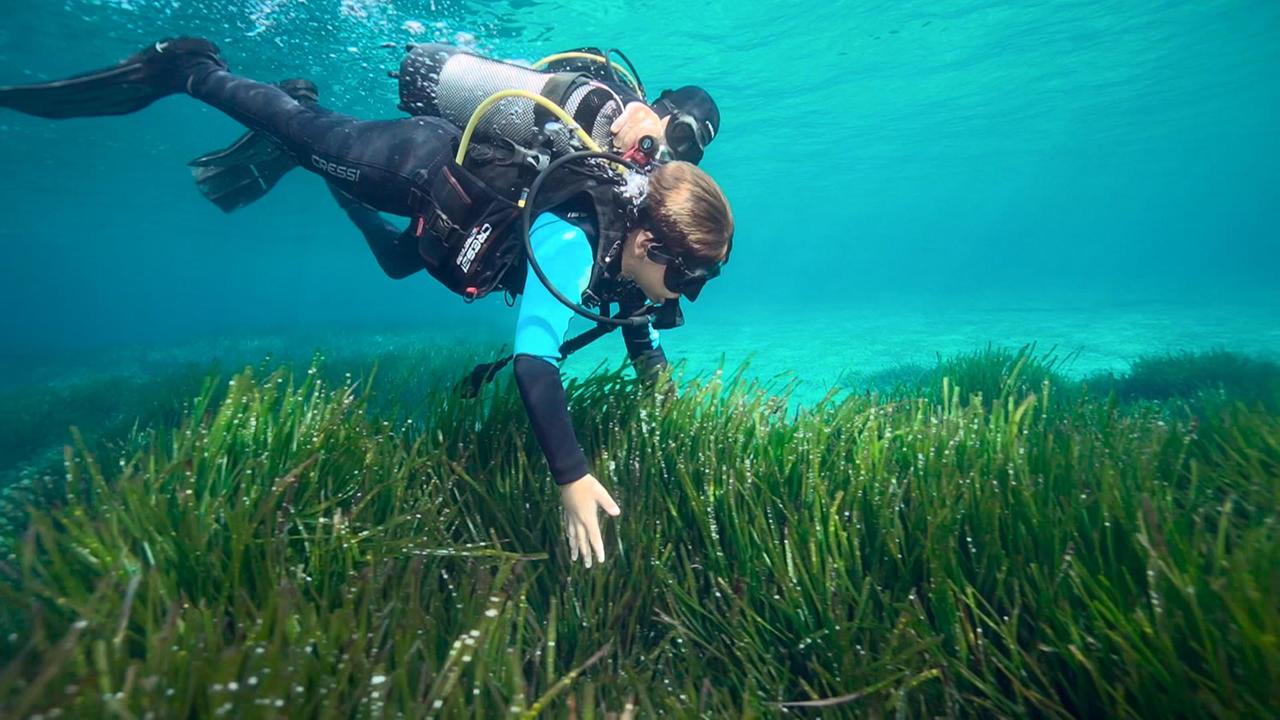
443 81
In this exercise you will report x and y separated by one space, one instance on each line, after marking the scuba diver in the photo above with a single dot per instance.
684 121
488 204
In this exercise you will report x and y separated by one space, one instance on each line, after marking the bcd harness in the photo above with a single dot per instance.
466 224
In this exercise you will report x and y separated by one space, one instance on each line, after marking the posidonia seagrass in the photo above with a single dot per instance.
286 550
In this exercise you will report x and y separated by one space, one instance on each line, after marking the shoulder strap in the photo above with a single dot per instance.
557 91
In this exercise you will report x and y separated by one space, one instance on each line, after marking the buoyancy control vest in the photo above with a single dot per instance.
468 236
465 220
466 227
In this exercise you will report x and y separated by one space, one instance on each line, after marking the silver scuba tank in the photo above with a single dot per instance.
444 81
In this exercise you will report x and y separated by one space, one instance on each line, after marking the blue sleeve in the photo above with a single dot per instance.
565 256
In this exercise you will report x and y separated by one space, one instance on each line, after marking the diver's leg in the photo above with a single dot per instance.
397 258
381 163
378 162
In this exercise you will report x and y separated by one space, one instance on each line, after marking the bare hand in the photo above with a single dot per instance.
582 498
636 121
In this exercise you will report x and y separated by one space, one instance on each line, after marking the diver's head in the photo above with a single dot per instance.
690 121
683 233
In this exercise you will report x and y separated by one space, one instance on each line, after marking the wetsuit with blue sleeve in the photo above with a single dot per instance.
565 256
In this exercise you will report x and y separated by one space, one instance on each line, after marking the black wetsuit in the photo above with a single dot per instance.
378 164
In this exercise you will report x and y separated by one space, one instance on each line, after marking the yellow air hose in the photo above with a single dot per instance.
493 99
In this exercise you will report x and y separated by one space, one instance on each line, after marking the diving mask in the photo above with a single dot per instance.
694 121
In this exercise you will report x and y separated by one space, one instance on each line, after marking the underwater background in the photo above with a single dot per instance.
907 179
914 184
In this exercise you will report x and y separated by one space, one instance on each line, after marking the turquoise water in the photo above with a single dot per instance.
910 181
907 179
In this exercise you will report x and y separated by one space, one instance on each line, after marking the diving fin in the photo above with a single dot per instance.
160 69
242 172
248 168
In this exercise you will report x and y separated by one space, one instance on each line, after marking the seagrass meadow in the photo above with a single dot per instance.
982 538
237 479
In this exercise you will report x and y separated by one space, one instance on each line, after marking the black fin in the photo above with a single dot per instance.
158 70
242 172
248 168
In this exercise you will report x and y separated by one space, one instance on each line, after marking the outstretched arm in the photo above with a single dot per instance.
565 256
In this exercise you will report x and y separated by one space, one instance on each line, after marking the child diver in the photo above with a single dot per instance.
586 218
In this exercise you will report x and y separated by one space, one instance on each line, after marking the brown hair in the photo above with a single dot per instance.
689 213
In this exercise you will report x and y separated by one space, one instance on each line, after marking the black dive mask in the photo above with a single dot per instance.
686 135
679 277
